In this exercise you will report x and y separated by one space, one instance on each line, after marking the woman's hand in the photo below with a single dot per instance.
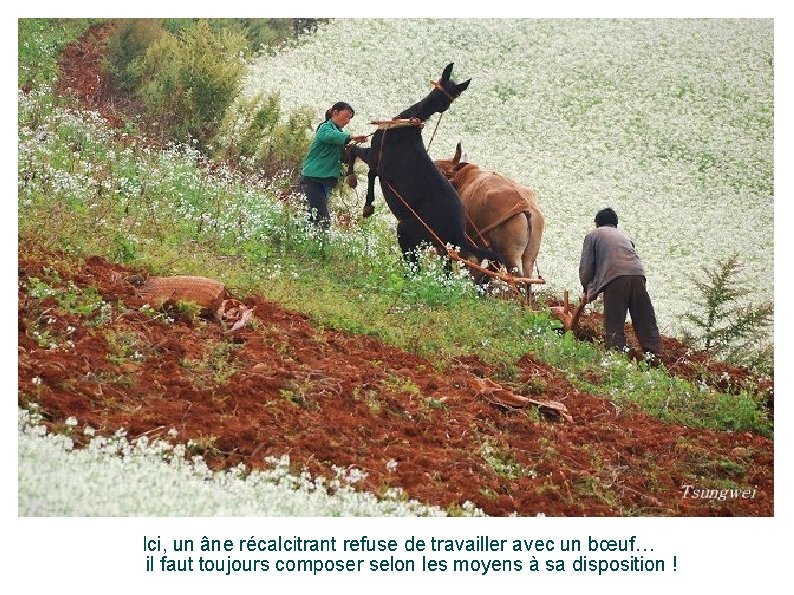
359 139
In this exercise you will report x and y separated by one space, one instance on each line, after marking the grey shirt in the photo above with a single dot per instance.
606 254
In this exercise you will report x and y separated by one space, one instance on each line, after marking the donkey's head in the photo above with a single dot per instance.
445 91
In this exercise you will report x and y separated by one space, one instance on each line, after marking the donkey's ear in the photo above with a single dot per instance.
447 72
461 87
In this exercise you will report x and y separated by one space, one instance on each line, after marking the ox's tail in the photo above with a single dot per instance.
535 223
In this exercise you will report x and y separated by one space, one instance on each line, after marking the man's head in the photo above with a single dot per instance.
606 217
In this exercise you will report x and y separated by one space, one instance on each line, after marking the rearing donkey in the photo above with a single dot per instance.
424 202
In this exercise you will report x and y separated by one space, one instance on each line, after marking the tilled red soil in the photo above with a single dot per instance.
327 397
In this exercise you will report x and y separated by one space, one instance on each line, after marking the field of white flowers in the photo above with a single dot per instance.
670 122
109 476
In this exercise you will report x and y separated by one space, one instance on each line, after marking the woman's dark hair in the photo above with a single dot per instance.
606 217
338 107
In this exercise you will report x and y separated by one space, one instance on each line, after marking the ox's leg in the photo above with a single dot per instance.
509 241
535 224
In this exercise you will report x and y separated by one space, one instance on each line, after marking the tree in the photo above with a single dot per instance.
728 326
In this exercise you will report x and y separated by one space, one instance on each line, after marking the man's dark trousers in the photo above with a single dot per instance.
628 292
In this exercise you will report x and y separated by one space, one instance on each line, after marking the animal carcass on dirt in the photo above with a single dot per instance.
424 202
500 213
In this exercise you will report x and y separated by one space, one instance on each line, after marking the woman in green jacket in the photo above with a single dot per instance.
322 165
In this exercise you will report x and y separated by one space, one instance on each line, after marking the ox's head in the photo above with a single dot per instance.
446 90
449 167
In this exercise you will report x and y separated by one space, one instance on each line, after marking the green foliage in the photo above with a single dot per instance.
289 142
84 302
203 446
189 71
123 347
216 365
190 309
503 463
123 249
638 385
253 138
243 127
725 327
126 49
263 35
187 82
297 392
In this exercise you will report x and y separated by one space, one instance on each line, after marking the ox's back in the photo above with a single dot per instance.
491 200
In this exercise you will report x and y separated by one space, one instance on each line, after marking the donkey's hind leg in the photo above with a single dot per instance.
410 235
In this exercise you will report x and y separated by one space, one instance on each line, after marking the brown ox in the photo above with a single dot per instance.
500 214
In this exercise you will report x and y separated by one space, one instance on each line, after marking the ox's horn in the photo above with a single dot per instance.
456 158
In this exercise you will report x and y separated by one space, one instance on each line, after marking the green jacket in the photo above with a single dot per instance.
325 154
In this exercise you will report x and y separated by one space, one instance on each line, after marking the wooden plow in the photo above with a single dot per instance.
569 317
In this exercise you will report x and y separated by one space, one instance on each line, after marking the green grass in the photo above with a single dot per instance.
40 44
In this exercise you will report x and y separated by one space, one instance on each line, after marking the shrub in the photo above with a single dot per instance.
726 328
289 142
126 49
269 34
262 34
160 80
253 138
189 81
